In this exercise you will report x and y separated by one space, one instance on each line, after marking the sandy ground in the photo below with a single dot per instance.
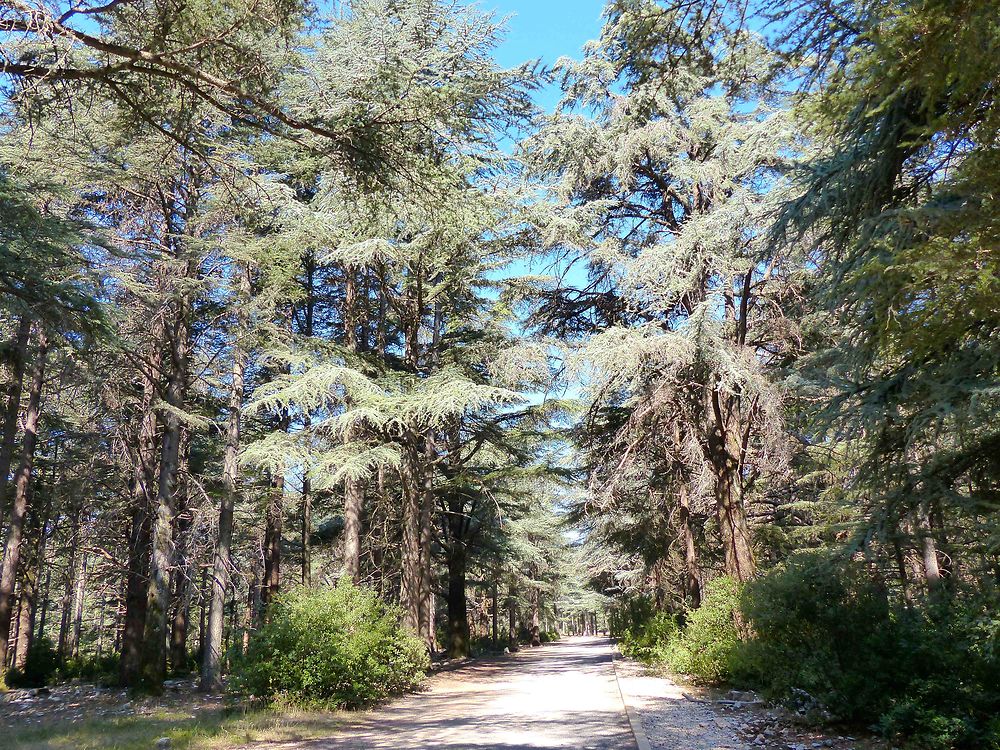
563 695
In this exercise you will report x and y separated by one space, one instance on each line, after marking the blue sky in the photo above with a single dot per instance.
546 29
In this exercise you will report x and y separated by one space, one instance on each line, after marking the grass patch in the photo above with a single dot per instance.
211 730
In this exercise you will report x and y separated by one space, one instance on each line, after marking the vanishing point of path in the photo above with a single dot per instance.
563 695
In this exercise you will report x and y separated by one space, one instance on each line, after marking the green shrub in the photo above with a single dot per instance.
708 646
825 627
39 668
651 640
948 658
340 647
483 644
90 668
928 673
704 644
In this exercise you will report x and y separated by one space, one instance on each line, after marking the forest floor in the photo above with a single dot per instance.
82 716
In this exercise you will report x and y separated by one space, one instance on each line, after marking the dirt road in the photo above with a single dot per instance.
563 695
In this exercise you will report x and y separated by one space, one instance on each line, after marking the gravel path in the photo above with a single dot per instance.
563 695
685 718
671 721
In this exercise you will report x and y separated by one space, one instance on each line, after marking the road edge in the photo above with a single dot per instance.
641 740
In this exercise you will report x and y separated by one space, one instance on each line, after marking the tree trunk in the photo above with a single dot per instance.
928 551
306 531
496 613
428 610
354 491
410 563
353 509
511 621
203 598
723 453
30 589
274 515
904 583
692 573
211 664
22 480
458 609
79 592
182 567
66 600
253 606
26 613
12 406
154 652
140 536
179 624
536 636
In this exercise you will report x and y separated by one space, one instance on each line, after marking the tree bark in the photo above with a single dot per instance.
496 612
692 573
306 518
140 536
410 563
211 665
353 509
536 636
511 621
79 592
307 497
44 603
154 652
253 606
12 406
928 551
274 515
66 600
428 609
30 594
26 613
458 608
22 480
182 566
723 453
354 491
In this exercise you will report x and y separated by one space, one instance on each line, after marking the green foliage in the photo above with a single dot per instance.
45 667
709 643
39 669
91 668
704 645
484 644
823 626
948 665
652 639
340 647
827 627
